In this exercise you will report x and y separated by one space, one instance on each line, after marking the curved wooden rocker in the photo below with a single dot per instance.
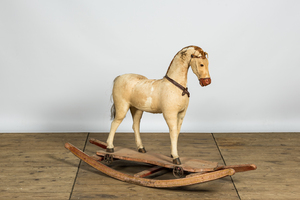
201 174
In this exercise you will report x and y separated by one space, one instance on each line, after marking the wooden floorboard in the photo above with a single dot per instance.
277 156
37 166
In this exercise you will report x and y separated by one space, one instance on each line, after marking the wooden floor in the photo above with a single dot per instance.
37 166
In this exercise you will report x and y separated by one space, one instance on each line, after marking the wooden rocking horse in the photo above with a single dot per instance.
169 96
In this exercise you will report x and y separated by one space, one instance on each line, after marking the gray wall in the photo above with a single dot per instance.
59 58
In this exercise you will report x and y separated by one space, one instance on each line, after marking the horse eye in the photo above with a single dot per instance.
201 65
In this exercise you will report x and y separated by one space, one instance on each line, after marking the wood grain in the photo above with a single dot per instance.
37 166
92 184
277 156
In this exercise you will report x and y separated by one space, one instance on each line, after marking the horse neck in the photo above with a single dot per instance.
178 70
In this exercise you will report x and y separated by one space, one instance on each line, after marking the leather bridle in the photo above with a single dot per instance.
184 90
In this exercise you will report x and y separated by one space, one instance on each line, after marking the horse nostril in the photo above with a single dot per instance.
208 81
205 81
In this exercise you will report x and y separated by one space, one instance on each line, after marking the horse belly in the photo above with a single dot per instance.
145 96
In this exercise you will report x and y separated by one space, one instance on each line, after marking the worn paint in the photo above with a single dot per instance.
148 102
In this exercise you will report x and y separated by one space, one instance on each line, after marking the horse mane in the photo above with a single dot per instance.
203 53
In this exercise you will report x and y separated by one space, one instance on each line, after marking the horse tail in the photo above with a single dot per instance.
112 112
113 107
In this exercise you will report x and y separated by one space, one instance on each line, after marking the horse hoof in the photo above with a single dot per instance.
176 161
110 150
142 150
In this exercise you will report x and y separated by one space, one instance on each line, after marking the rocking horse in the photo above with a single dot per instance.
169 96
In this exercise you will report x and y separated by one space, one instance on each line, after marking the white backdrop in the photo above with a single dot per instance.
59 58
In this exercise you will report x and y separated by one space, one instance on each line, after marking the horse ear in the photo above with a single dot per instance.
206 54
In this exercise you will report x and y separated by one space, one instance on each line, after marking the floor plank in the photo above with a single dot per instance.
277 158
37 166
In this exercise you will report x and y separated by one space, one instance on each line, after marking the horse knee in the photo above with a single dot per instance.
133 127
118 119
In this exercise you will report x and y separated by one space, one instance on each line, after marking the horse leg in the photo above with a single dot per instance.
180 120
120 115
172 122
136 116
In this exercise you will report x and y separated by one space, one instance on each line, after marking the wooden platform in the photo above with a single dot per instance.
188 164
37 166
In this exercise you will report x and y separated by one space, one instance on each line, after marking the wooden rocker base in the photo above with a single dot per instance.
200 175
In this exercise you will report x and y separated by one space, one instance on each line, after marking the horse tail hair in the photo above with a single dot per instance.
112 112
113 107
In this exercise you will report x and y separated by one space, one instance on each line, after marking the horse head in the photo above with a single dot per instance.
199 65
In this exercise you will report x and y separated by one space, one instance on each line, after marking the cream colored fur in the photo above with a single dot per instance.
139 94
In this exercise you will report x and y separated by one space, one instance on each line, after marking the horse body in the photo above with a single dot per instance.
149 93
139 94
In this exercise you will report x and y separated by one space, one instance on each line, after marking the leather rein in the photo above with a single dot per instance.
184 90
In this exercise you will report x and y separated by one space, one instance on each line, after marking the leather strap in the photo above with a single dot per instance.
184 90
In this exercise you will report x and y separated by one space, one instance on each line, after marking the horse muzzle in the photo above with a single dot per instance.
204 81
